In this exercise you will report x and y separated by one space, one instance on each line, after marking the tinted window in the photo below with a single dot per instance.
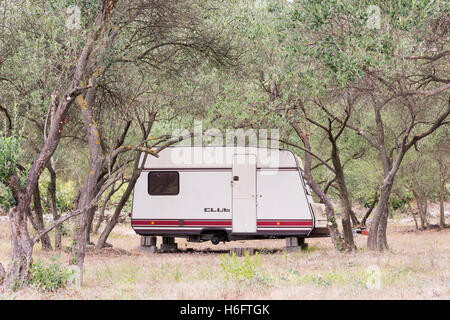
163 183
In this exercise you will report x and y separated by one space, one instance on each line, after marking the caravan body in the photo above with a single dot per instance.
223 194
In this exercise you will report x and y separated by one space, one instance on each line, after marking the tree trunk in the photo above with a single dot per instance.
420 209
442 178
39 219
377 239
91 214
21 244
413 215
425 211
81 231
329 210
115 218
344 197
101 216
21 249
355 221
2 274
369 211
51 195
441 203
336 238
88 192
123 200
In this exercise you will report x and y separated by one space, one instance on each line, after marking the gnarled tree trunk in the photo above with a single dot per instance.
21 244
377 239
21 249
344 197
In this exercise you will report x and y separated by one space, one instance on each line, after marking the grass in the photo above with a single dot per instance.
416 267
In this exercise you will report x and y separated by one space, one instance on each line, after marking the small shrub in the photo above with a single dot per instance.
235 269
49 276
177 275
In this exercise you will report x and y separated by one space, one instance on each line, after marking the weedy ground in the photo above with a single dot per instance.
417 266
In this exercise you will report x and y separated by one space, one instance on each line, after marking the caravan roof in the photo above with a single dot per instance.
186 157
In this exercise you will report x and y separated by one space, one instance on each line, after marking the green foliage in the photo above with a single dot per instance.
333 222
116 197
65 231
10 153
49 276
244 270
65 196
6 198
65 192
344 56
397 203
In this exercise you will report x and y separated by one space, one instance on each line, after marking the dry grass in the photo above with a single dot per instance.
416 267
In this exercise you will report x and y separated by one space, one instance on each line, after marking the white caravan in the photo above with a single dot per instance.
225 193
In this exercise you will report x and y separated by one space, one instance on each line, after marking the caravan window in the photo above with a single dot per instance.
163 183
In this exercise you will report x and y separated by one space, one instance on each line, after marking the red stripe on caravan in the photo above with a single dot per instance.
207 222
226 223
154 222
285 223
181 222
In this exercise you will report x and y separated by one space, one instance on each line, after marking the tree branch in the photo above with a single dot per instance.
303 149
74 213
430 130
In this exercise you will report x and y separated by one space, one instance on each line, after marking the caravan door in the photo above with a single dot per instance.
244 193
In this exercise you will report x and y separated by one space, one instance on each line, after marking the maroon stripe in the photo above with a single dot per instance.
182 222
155 222
284 223
207 223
